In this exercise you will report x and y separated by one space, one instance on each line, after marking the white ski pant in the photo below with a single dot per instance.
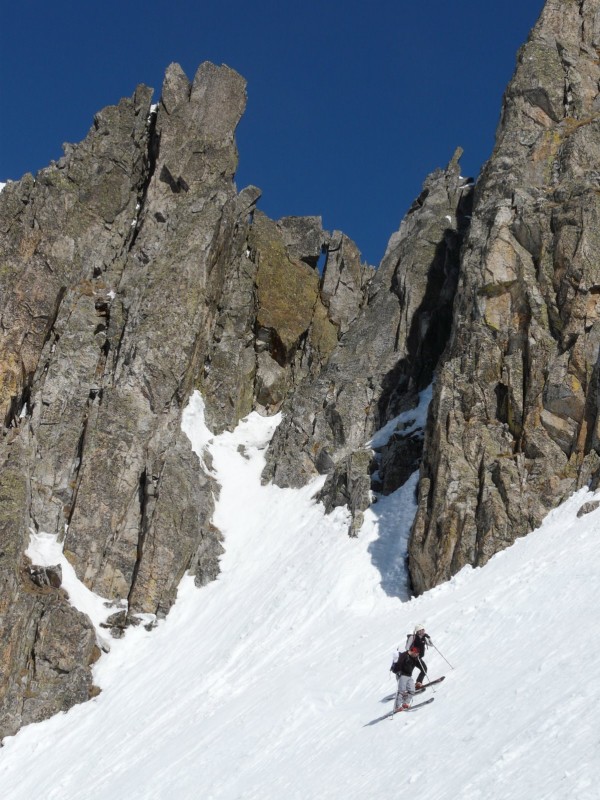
406 689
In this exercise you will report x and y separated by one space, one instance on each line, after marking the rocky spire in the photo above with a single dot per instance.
115 261
513 427
133 273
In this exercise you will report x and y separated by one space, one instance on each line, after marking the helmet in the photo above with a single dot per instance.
414 650
419 627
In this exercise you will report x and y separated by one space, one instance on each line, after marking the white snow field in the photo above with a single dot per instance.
262 685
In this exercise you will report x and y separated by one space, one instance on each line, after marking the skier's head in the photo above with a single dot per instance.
420 628
414 652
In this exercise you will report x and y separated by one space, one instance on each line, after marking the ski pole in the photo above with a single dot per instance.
424 671
443 656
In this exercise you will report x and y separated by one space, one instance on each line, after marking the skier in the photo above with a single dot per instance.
403 666
421 641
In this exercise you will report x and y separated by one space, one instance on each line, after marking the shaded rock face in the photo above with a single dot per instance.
513 427
47 646
279 320
384 357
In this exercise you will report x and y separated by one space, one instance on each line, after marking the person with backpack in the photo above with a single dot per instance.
421 641
403 666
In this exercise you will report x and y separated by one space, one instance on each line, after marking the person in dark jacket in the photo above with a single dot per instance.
404 666
421 641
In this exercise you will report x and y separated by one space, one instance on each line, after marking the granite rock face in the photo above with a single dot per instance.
113 263
513 428
385 356
47 646
132 272
279 320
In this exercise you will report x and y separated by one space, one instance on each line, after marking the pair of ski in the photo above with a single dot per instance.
391 714
418 705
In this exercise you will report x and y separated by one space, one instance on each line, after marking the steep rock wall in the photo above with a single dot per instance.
132 272
279 320
113 263
513 427
383 359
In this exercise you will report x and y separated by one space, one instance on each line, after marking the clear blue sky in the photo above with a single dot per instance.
350 104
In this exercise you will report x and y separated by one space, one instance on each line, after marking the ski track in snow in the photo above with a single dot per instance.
261 685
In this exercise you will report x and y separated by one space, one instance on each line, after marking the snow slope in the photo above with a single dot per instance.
263 684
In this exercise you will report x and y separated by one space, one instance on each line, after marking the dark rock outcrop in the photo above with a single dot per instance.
132 273
46 646
513 428
279 320
385 355
115 258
